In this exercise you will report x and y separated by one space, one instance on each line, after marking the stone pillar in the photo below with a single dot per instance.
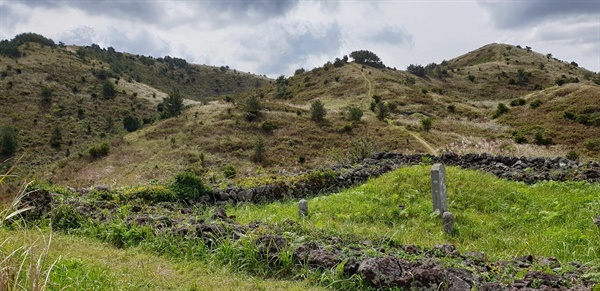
438 188
303 208
448 220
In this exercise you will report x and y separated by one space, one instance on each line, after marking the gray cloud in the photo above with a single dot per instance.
144 11
391 35
286 48
520 14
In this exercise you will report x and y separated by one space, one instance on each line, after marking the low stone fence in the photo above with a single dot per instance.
526 169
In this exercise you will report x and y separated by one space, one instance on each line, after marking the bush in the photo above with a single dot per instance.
258 156
8 140
317 111
426 123
361 149
46 94
56 137
131 123
108 90
268 126
592 144
501 109
229 172
517 102
252 108
153 193
99 151
539 139
535 103
452 108
186 185
382 111
355 113
572 155
519 138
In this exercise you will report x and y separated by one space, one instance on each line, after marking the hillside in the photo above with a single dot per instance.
220 142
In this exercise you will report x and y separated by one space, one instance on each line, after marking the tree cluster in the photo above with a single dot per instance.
367 58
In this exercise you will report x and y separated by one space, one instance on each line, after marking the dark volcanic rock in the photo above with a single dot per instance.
381 272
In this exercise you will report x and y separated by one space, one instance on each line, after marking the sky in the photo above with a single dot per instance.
276 37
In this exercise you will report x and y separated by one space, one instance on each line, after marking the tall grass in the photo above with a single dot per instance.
22 267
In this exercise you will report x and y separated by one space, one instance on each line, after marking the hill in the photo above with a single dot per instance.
500 99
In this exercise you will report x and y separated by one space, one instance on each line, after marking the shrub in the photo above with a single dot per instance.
302 159
426 123
229 172
56 137
152 193
258 156
355 113
535 103
501 109
131 123
171 106
317 111
471 78
592 144
108 90
519 138
252 108
268 126
361 149
100 150
417 70
382 110
572 155
539 139
452 108
518 102
8 140
46 94
186 185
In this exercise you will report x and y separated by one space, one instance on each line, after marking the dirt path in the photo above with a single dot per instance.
369 84
423 142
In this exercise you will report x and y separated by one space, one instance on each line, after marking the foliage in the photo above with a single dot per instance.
354 113
535 103
540 139
258 154
252 108
229 171
282 87
46 94
426 123
500 109
56 137
572 155
361 149
519 138
317 111
131 123
150 193
592 144
518 102
108 90
99 150
382 111
172 105
368 58
268 126
186 186
416 70
9 140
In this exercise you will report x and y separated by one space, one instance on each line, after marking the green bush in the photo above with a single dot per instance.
186 185
229 172
153 193
426 123
8 140
519 138
258 156
592 144
539 139
100 150
535 103
268 126
355 113
317 111
108 90
501 109
517 102
572 155
131 123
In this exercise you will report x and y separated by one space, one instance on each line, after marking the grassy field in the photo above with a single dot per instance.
501 218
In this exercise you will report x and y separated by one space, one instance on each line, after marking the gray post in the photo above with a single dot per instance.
438 188
303 208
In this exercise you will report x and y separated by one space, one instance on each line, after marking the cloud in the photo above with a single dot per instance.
283 47
521 14
390 35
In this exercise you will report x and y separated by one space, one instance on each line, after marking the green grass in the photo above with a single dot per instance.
502 218
87 264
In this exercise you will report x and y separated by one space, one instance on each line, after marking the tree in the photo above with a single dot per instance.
56 137
252 108
172 105
108 90
426 123
8 140
417 70
317 111
46 94
367 58
355 113
501 109
131 123
258 156
382 111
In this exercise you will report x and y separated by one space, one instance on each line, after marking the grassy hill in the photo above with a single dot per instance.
549 109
